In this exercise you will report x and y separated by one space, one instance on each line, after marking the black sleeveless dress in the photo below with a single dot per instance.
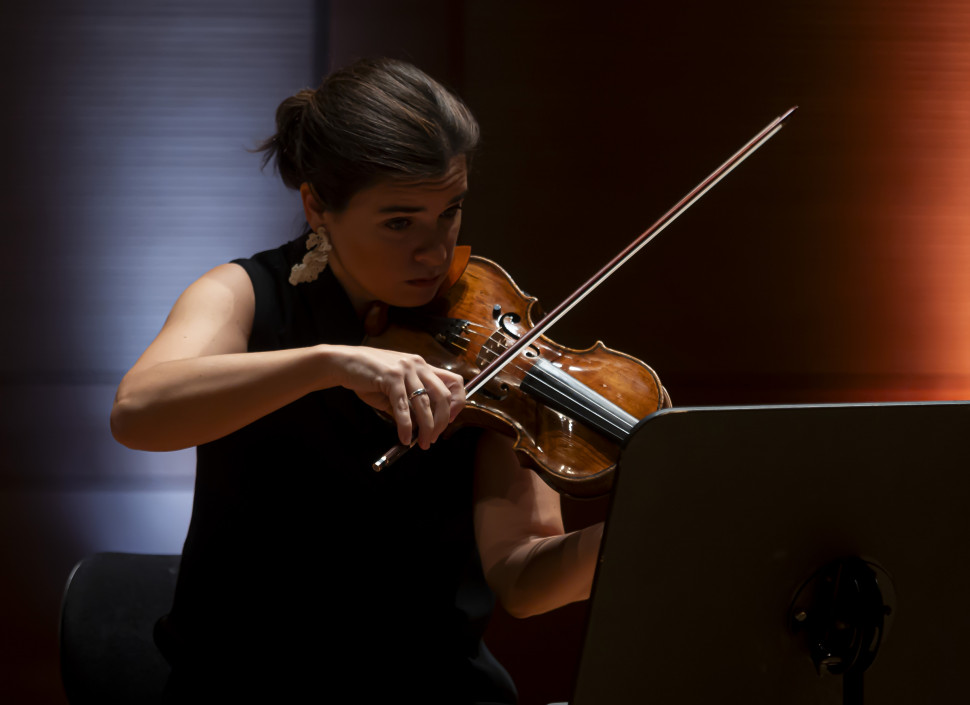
306 574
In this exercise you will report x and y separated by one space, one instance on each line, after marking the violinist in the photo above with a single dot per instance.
304 571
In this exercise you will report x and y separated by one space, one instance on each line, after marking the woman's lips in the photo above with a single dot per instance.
425 282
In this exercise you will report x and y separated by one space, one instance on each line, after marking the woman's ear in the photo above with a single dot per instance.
312 207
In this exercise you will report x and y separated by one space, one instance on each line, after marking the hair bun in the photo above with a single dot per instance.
376 119
285 148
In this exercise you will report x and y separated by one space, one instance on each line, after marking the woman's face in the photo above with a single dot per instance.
395 240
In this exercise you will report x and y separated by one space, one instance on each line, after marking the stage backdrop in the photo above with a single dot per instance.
830 267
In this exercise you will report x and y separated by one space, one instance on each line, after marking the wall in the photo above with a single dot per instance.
126 176
828 267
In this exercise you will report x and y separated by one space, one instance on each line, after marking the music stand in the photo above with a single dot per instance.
719 519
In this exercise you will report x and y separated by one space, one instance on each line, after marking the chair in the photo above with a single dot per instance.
109 609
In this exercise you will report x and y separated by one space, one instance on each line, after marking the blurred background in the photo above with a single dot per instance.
831 267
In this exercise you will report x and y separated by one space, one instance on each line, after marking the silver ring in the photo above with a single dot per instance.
416 393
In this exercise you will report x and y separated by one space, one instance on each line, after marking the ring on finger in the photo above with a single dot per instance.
416 393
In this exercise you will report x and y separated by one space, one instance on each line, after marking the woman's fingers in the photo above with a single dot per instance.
422 411
400 408
456 395
422 399
431 402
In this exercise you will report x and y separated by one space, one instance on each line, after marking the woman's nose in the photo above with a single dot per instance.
437 250
434 254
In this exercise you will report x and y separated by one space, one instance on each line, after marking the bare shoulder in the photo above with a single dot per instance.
225 285
214 315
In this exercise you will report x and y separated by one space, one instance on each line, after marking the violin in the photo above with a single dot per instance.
570 412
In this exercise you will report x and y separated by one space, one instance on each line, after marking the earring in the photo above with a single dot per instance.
318 247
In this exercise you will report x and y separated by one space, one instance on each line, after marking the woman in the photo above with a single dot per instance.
303 570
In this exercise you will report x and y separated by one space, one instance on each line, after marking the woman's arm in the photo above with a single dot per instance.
196 382
529 562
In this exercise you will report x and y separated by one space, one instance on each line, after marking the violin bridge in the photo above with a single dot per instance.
496 344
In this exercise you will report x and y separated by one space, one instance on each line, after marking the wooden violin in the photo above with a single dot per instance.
569 411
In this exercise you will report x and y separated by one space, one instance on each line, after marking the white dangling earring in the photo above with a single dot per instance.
318 247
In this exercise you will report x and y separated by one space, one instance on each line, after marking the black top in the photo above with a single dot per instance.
303 569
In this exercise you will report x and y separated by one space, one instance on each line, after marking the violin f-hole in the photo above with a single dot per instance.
514 318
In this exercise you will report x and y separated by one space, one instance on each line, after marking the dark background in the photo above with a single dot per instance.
830 267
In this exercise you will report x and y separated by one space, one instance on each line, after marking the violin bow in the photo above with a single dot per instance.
551 318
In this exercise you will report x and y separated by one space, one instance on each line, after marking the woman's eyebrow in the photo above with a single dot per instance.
419 209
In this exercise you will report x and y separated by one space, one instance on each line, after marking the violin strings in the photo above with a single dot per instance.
596 410
488 336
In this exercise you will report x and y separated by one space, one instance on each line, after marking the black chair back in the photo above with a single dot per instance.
110 606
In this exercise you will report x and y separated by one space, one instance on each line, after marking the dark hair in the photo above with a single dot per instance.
375 119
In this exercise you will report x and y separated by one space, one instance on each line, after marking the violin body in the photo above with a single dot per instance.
568 411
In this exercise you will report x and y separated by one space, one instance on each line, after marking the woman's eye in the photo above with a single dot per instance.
398 223
452 212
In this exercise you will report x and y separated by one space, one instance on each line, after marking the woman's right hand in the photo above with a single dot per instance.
196 382
387 381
